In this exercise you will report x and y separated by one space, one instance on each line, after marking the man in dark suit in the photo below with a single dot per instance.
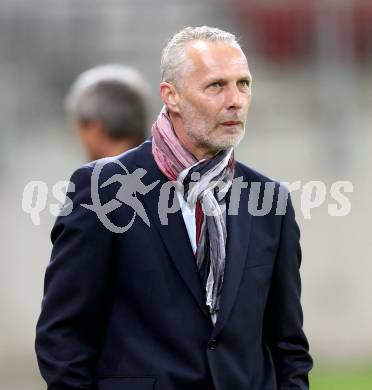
168 270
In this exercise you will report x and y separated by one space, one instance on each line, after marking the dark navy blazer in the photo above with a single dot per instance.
127 311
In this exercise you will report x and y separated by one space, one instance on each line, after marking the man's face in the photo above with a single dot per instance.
214 96
92 137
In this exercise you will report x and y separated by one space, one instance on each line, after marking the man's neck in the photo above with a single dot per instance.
110 148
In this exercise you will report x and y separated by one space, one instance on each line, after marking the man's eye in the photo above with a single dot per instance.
245 83
216 84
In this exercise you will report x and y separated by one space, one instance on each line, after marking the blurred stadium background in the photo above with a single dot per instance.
310 120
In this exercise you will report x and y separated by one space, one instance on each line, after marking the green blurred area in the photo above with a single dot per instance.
355 377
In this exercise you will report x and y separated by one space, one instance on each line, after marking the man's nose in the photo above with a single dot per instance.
235 98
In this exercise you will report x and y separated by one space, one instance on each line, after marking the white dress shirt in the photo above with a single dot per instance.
188 214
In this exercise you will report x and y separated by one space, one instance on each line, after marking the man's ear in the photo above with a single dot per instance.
169 96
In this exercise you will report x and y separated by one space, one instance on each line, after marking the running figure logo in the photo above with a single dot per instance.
130 185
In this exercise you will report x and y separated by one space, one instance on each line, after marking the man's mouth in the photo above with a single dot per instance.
231 123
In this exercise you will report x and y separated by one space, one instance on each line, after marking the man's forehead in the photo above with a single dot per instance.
214 55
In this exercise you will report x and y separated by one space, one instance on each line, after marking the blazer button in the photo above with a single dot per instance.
212 344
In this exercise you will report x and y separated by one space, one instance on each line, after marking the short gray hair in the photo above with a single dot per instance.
173 54
114 94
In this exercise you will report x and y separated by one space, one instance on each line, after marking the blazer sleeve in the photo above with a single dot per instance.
284 318
69 328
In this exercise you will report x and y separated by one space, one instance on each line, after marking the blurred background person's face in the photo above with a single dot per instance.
89 134
213 97
98 144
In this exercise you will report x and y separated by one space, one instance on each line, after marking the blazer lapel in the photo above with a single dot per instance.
238 233
176 239
174 234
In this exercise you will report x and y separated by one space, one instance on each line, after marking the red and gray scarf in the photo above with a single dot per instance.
204 183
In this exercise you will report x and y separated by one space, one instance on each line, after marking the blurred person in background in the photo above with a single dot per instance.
153 308
108 108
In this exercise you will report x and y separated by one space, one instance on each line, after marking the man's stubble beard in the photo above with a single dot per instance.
200 136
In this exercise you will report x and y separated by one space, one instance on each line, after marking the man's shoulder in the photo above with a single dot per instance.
252 175
105 170
265 188
126 161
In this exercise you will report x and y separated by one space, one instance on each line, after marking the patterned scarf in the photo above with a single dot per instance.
206 181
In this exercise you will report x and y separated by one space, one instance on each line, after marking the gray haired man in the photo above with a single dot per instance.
208 300
108 108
